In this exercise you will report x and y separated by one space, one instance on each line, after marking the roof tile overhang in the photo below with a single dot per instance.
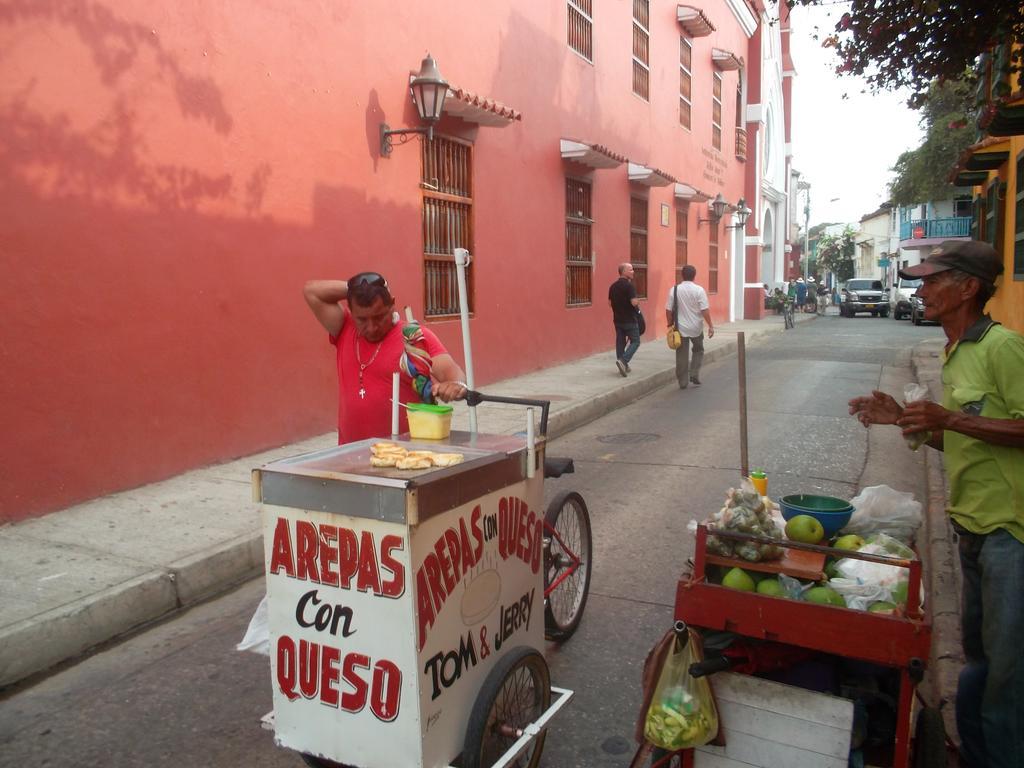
693 21
969 178
725 60
986 155
1008 121
474 108
590 155
690 193
648 177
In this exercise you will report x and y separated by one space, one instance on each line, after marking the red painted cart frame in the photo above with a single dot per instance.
903 643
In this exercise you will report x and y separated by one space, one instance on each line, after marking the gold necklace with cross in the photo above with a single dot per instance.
363 366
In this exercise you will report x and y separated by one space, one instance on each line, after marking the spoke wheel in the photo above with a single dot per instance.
568 552
516 693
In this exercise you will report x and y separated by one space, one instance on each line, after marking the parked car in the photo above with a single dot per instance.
864 295
917 311
899 296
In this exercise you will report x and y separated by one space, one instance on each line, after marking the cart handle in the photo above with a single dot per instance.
474 398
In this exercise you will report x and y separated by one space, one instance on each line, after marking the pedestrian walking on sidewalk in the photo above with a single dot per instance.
369 345
625 306
687 310
980 429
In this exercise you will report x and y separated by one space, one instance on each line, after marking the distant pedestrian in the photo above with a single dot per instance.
811 302
687 310
801 293
624 303
767 295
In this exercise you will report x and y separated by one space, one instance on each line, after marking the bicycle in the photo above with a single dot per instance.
787 314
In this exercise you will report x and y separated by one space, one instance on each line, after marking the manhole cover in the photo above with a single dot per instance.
629 438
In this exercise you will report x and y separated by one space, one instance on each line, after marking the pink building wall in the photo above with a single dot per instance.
171 174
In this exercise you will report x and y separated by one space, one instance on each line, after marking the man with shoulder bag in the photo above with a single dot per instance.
686 311
626 317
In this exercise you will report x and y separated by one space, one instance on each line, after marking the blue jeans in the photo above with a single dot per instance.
623 331
990 694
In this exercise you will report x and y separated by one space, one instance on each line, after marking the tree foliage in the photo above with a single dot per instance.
835 254
922 174
911 43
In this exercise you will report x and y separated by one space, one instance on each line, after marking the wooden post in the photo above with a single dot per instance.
741 358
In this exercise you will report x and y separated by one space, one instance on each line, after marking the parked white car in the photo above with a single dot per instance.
899 296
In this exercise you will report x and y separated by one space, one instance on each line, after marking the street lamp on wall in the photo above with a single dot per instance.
716 209
429 90
742 214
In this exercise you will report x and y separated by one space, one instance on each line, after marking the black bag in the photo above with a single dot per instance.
641 322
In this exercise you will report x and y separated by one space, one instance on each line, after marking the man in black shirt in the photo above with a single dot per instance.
623 301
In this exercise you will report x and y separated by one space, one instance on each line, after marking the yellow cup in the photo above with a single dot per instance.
760 481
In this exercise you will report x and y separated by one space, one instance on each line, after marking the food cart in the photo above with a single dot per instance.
407 608
900 643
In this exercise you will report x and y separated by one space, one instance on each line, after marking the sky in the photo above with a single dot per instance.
843 147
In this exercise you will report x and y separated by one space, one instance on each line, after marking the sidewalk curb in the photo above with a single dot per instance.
942 565
36 644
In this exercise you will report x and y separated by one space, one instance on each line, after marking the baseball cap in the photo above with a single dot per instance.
970 256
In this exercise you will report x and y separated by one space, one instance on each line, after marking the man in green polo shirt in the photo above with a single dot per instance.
980 429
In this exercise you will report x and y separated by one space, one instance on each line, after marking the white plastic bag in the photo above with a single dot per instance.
878 574
912 392
257 636
881 509
859 596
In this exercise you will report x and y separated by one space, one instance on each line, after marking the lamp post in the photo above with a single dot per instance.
716 209
807 227
429 90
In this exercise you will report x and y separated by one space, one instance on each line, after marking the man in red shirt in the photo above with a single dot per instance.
367 336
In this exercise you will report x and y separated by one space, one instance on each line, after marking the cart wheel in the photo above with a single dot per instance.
516 692
930 739
567 560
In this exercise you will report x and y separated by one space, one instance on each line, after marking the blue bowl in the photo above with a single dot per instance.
832 513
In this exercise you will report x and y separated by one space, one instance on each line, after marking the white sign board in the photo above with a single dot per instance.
382 634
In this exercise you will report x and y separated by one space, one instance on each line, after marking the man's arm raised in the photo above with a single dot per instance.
323 296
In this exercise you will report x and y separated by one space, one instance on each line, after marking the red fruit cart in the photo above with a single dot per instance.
902 642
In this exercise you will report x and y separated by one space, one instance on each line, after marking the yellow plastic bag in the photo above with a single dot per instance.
674 339
682 713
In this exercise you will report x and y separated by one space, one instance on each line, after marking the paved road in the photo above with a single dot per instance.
178 695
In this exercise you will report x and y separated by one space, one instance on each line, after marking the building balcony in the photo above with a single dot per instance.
741 143
917 234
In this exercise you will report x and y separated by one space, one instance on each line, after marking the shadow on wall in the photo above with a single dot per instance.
146 336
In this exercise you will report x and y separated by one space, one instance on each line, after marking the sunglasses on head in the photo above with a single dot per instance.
367 278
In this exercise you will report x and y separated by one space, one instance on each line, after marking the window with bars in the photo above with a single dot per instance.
1018 223
638 244
682 238
685 81
713 259
641 49
579 263
978 218
580 28
446 173
716 110
993 221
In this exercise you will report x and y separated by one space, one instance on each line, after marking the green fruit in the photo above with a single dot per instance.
805 529
899 593
830 569
850 541
739 579
770 587
883 606
824 596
